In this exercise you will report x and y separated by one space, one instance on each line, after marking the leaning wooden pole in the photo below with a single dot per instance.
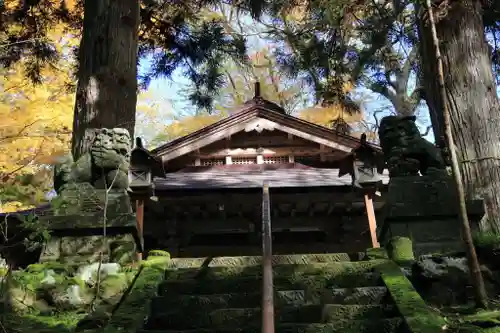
477 279
267 268
139 212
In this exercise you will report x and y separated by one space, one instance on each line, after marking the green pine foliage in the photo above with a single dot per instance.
175 32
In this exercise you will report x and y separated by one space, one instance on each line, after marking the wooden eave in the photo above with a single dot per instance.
255 110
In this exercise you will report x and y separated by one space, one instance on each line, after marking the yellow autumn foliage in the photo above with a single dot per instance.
69 4
36 124
37 119
185 126
324 116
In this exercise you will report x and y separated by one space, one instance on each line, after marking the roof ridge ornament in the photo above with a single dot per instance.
257 90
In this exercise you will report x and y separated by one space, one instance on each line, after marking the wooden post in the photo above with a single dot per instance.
372 221
267 266
139 212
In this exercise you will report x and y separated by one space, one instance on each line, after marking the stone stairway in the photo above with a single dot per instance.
313 293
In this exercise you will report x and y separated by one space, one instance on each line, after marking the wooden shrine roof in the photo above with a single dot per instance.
254 116
253 176
257 114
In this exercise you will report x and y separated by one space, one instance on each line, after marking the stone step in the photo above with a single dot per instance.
242 317
386 325
358 295
195 251
234 300
307 282
297 259
352 296
225 272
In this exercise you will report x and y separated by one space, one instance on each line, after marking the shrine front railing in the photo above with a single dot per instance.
267 266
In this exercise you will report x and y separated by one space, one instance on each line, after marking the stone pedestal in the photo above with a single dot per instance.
80 232
425 209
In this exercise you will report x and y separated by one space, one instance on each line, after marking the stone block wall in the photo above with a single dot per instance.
425 209
83 236
87 249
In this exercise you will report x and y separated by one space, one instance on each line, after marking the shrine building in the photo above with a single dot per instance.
201 194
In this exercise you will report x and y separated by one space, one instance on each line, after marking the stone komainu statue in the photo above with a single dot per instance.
405 151
107 162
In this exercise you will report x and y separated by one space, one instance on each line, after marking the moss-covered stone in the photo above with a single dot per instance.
130 314
234 300
57 267
342 296
123 250
417 315
156 261
294 259
205 316
226 297
392 325
158 253
52 289
376 253
55 323
400 249
358 295
88 249
284 270
113 287
297 282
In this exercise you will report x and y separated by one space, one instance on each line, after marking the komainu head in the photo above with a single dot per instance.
397 131
111 148
405 151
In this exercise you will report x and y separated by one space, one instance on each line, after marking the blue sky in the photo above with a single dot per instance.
165 89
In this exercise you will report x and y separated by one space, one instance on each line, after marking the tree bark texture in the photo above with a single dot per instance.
471 99
107 78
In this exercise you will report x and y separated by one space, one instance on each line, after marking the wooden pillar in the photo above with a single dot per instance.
372 221
139 212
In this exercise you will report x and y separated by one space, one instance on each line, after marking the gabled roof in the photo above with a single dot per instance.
256 114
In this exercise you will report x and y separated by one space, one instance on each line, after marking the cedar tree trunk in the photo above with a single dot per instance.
107 77
471 96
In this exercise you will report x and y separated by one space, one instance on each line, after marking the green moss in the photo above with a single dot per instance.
288 259
417 315
156 261
55 323
309 282
483 318
486 240
55 266
376 253
130 314
207 316
114 285
27 280
291 271
400 249
76 281
392 325
158 253
122 252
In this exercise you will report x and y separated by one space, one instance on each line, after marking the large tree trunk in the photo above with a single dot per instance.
107 77
472 100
